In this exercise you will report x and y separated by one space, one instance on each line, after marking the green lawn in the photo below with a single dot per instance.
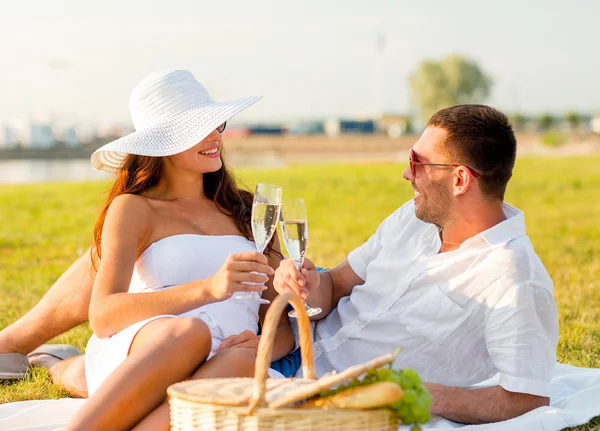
45 227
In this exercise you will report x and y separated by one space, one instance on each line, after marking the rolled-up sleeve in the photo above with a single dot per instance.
360 257
521 336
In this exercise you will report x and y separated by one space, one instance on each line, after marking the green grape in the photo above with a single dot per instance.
370 378
405 382
404 409
383 374
410 396
409 418
412 375
396 405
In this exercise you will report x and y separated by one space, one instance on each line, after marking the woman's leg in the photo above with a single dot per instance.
63 307
164 351
234 362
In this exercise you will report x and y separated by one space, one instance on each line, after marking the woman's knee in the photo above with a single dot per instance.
188 332
175 335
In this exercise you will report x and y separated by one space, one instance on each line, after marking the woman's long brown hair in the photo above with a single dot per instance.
140 173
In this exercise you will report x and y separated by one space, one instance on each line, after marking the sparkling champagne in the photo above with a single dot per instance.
264 223
295 238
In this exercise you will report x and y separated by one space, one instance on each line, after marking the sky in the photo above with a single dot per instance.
77 61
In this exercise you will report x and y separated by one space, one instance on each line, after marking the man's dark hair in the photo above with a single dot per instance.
481 137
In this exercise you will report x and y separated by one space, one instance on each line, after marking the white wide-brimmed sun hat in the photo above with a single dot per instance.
171 112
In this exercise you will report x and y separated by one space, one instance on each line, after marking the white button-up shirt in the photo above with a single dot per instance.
460 317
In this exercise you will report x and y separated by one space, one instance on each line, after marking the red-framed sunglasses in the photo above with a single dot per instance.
221 128
413 165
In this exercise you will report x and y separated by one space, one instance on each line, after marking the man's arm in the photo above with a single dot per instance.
483 405
521 335
319 289
326 289
335 284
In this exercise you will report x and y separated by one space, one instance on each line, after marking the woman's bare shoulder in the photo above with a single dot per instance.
130 205
128 211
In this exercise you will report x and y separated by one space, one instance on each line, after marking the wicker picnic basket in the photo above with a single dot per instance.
252 404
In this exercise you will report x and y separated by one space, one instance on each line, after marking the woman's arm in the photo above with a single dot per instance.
126 233
284 337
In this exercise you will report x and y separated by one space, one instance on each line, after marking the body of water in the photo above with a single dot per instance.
68 170
41 171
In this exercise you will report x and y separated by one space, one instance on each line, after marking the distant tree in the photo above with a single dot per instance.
546 122
553 138
409 127
574 120
518 121
454 80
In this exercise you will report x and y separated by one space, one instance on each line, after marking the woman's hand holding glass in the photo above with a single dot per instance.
265 215
241 272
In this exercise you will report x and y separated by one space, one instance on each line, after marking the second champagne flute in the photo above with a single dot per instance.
294 230
265 214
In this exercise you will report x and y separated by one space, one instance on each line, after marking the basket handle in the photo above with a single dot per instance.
265 346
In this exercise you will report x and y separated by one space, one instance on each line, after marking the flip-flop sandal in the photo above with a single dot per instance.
59 351
13 366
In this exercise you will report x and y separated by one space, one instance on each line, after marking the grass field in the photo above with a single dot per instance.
43 228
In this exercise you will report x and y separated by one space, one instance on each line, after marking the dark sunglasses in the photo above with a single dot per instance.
413 165
221 128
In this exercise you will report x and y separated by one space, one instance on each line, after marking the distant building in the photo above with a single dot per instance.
358 127
394 125
266 130
332 127
86 133
65 135
39 136
595 125
9 138
346 127
70 137
308 128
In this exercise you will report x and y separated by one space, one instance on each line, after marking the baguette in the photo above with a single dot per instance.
371 396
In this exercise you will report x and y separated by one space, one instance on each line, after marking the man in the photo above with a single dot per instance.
451 277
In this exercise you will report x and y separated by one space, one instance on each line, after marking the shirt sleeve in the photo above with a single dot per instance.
521 335
360 258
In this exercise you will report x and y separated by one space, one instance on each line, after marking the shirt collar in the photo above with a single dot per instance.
507 230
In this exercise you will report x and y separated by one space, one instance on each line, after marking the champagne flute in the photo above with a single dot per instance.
265 214
294 229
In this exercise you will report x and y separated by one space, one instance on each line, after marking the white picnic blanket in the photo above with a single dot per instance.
575 399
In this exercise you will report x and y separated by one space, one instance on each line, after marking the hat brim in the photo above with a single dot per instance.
179 134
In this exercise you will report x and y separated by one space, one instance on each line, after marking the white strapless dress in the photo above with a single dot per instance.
169 262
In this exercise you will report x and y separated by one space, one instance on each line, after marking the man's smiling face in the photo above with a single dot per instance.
433 191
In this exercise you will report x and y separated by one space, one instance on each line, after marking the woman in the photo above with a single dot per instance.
173 243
